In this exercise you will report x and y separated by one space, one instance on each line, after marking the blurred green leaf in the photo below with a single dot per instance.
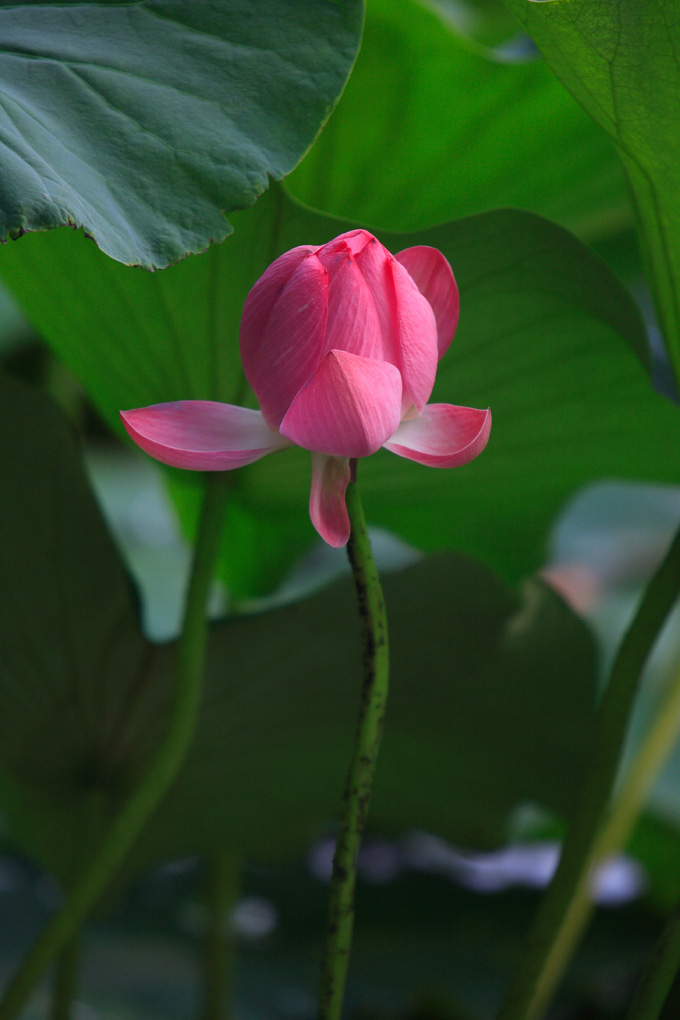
73 659
491 704
656 844
486 22
14 328
146 123
132 337
431 128
549 339
620 61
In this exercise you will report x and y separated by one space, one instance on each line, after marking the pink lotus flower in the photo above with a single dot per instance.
340 344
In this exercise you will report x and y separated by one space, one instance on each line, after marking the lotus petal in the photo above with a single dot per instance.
202 435
443 436
435 281
283 329
327 509
349 407
353 324
407 324
416 339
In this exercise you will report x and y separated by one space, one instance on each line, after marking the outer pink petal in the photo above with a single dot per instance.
374 262
443 436
353 323
417 339
330 477
202 435
348 408
283 327
435 280
408 328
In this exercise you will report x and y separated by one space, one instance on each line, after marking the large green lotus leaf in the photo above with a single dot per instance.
620 62
491 705
73 659
147 122
431 128
549 339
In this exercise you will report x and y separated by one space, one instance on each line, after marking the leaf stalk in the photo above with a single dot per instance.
560 918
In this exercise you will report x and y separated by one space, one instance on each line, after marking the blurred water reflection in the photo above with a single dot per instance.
617 881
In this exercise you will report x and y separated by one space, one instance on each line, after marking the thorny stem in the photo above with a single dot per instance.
360 776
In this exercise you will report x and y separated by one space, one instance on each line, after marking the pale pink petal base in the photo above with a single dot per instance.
202 435
348 408
330 478
443 436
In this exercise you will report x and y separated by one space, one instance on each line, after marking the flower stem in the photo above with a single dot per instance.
360 776
659 740
65 981
655 984
183 714
222 889
559 920
630 798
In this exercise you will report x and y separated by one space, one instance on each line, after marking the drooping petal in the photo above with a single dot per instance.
353 323
327 509
443 436
435 281
348 408
202 435
283 328
417 339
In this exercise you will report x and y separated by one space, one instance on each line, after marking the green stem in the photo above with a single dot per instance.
223 886
360 776
183 714
559 918
658 743
65 981
655 984
630 798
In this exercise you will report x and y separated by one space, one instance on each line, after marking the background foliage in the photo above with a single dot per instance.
148 125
